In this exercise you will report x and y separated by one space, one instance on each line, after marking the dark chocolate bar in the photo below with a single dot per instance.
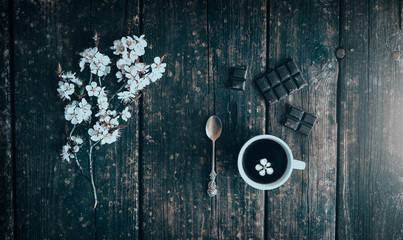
282 81
299 120
238 78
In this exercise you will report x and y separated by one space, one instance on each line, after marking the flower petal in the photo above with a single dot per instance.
262 173
263 161
268 164
258 167
269 170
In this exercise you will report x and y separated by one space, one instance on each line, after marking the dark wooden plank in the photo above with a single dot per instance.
53 198
116 165
174 150
370 182
6 151
304 207
237 37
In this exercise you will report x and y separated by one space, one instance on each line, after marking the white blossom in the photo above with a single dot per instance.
65 90
128 42
77 141
99 64
119 47
125 114
97 132
264 167
110 137
126 96
140 40
71 77
93 89
73 114
66 153
85 109
87 57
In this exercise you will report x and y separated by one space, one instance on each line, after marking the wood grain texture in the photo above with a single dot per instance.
237 37
370 172
6 138
52 196
116 165
175 151
305 206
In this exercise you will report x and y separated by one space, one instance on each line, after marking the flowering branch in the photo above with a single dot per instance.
89 109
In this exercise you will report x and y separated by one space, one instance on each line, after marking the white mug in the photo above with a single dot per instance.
291 164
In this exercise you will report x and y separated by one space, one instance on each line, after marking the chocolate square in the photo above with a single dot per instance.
292 67
280 91
283 72
299 120
290 86
270 97
309 119
263 84
295 112
237 85
273 78
240 72
291 122
300 81
304 129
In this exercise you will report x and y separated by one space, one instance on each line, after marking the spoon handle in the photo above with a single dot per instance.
212 186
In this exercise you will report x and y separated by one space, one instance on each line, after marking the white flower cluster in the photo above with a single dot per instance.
71 148
89 105
97 61
135 74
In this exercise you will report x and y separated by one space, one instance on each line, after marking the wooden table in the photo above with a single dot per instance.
152 183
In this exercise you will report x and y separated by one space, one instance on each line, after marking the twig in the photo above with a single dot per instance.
72 130
94 190
99 80
116 93
81 168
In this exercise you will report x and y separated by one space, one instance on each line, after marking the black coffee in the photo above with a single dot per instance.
264 171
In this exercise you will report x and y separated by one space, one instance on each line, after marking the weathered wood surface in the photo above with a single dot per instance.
116 166
175 152
152 183
371 127
53 198
237 37
6 138
304 207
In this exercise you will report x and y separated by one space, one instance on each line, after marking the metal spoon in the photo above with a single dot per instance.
213 131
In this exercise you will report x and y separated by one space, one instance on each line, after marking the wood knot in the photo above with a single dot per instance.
340 53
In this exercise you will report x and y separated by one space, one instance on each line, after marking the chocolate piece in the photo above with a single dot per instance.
291 122
290 86
270 96
280 91
292 67
297 119
304 129
263 84
273 78
309 119
291 80
240 72
283 72
295 112
300 81
237 85
238 78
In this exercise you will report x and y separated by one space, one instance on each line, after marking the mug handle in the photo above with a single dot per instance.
297 164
